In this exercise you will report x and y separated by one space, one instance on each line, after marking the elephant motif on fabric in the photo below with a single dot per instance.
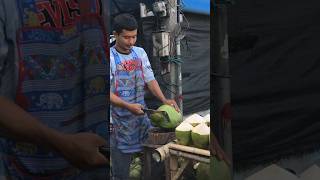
50 101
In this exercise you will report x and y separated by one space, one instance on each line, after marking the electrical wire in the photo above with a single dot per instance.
178 32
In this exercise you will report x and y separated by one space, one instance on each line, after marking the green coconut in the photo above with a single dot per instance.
203 171
200 136
219 170
206 119
135 169
194 119
155 119
175 117
183 133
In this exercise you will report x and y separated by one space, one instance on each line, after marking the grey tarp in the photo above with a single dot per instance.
195 49
275 66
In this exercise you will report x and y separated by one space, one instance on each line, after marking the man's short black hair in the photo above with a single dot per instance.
124 21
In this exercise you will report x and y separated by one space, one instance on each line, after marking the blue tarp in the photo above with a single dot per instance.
193 6
196 6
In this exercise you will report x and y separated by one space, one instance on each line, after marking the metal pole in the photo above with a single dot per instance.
179 71
221 77
179 77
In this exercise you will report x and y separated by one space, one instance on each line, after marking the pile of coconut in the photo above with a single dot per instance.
194 131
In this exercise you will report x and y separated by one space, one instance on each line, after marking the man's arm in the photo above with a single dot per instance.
80 149
152 84
156 91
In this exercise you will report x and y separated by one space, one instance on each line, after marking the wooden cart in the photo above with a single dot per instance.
161 147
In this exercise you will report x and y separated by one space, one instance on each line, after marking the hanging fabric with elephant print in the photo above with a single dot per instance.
61 82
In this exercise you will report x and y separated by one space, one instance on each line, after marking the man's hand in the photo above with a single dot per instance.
156 91
172 103
81 149
135 108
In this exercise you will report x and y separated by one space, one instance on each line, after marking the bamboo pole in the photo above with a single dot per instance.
190 149
163 152
189 156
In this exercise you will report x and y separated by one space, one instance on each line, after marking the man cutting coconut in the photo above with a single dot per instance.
130 71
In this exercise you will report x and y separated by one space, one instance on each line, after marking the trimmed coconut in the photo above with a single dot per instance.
155 119
206 119
194 119
219 170
203 171
183 133
200 136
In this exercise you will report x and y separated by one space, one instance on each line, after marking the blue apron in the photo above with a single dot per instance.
130 130
61 83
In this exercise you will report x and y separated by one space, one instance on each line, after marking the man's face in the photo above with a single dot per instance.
125 40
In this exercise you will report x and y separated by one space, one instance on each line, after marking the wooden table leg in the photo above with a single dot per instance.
147 164
173 166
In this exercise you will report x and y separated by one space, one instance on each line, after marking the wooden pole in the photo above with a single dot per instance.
173 166
181 169
221 99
